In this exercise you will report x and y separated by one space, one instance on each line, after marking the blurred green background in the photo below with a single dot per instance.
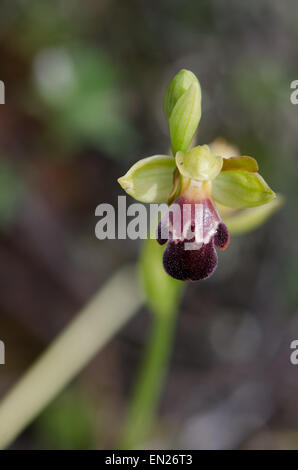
84 89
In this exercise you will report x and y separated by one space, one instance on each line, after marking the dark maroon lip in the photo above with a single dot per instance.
184 263
189 265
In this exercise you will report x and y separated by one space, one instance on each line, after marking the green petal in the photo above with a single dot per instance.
185 118
199 163
150 179
178 86
240 163
249 219
241 189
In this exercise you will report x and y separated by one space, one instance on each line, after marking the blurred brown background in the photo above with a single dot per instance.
84 88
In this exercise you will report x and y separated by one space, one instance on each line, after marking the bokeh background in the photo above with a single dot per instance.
84 89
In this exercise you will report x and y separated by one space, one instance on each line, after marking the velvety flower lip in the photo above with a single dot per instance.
189 265
190 253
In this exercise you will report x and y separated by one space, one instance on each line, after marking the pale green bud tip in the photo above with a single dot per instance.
125 183
177 87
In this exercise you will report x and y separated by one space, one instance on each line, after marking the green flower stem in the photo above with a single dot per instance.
151 380
89 332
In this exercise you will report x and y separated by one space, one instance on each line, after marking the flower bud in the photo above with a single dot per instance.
183 109
177 87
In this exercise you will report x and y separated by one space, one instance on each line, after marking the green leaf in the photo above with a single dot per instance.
240 163
150 179
199 163
249 219
185 118
178 86
162 291
241 189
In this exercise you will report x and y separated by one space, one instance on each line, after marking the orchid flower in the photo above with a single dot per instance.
208 181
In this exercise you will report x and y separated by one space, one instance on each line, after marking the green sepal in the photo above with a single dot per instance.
249 219
150 179
241 189
199 164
